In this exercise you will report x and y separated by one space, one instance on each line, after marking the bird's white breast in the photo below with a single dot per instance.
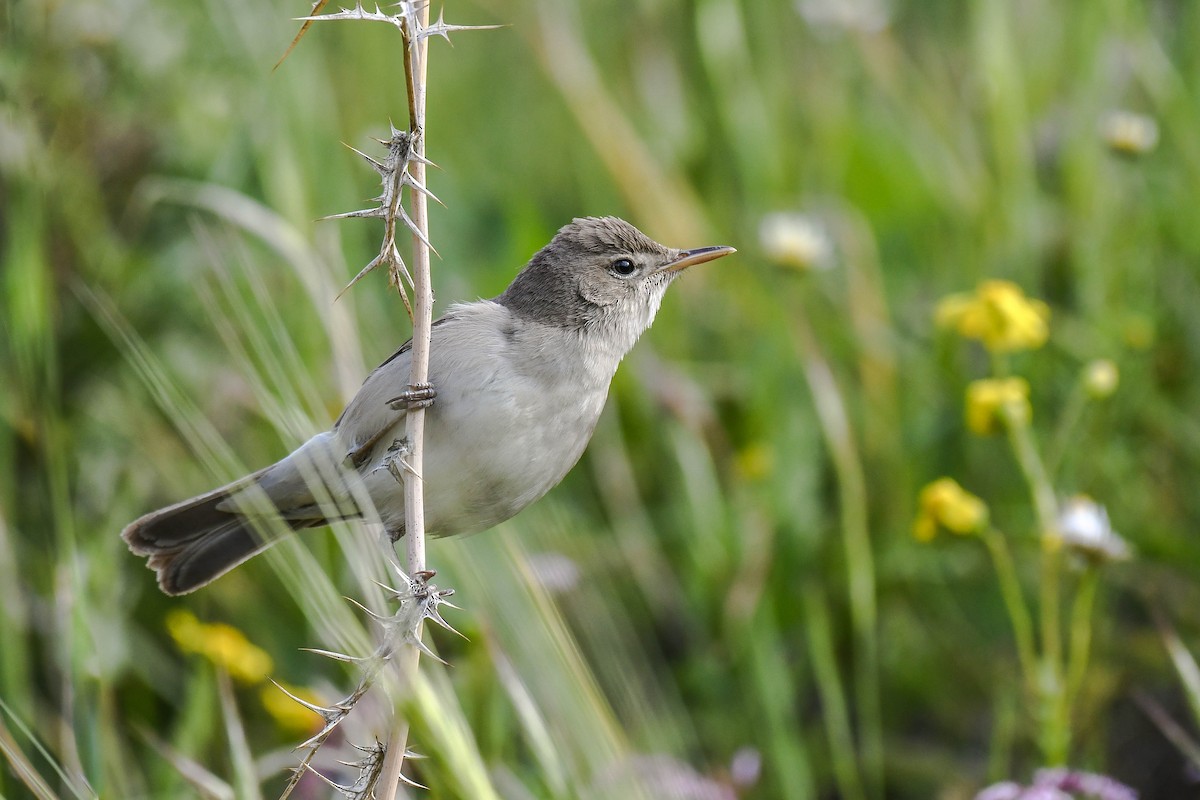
516 405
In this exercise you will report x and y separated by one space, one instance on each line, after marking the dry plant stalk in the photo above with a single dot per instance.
403 166
415 70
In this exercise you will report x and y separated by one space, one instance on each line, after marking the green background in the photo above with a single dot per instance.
167 319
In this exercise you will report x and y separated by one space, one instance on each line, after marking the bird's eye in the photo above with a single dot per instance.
624 267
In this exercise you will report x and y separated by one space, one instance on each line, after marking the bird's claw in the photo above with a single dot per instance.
418 395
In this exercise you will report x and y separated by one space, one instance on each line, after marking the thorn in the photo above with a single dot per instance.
358 277
416 642
364 213
396 593
409 781
441 28
431 614
402 575
335 656
376 749
404 272
366 610
412 226
409 468
324 712
390 466
410 181
375 262
377 165
342 790
318 738
413 155
447 603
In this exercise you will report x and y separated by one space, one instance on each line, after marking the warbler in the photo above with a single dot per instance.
517 384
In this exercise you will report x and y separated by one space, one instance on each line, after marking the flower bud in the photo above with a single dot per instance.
1100 378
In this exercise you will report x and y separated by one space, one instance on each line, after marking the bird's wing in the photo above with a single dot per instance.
368 417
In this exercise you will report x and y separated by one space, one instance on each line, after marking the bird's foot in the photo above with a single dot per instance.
418 395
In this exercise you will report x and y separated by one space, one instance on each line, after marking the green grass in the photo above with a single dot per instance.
167 320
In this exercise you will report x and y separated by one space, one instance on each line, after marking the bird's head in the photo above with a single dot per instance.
600 276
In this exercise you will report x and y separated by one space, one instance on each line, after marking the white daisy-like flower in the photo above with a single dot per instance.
796 240
1085 529
1129 133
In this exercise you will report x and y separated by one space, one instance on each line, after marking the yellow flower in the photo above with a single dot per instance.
1138 331
287 713
999 315
993 401
221 644
945 504
755 461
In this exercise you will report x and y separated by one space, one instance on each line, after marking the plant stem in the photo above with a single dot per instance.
1081 632
414 505
860 563
1014 601
833 696
1068 422
1054 735
414 502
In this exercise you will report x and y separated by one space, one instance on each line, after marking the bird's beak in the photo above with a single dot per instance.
690 258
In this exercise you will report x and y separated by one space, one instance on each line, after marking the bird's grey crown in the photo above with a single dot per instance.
548 289
606 235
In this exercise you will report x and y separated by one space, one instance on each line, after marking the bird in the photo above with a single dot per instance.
516 386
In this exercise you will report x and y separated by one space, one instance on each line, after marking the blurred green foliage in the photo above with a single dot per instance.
167 318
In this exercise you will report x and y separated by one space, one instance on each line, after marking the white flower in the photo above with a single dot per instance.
1128 133
796 240
1100 378
1085 529
853 16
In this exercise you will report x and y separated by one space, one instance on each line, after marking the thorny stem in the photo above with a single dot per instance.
413 83
414 504
414 524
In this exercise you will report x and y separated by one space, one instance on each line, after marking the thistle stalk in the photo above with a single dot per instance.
404 166
415 70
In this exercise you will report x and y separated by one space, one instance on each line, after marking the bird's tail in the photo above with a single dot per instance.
194 542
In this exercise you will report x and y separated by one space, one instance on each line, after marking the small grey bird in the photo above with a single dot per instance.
520 382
